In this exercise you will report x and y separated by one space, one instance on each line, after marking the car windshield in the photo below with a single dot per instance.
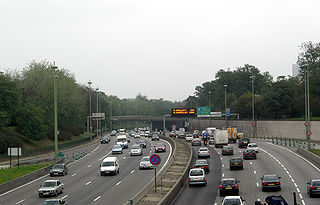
122 140
203 149
155 135
49 184
270 178
135 146
228 182
253 145
201 162
196 172
57 166
116 147
316 183
196 140
106 164
105 137
232 202
245 139
160 145
51 202
145 159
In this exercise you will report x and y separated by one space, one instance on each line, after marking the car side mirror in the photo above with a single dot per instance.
100 165
279 177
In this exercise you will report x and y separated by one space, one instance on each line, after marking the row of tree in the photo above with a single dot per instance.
282 98
27 104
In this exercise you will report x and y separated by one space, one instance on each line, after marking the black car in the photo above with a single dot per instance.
202 163
236 163
227 150
270 181
313 187
142 143
249 154
105 139
243 142
155 137
229 186
58 169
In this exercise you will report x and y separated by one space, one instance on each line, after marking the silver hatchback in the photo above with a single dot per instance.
203 152
197 177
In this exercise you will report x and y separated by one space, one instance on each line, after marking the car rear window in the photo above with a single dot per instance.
135 146
106 164
236 160
203 149
228 182
197 172
232 202
270 178
201 162
316 183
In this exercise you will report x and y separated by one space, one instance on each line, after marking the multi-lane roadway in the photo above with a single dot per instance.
83 183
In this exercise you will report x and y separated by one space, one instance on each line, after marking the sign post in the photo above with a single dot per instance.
14 151
155 160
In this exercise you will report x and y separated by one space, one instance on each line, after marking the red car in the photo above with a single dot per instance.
160 147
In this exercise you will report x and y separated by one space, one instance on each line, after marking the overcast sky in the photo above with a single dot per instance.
161 49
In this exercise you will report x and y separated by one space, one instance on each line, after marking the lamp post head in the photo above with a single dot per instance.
209 92
252 77
97 89
89 82
225 85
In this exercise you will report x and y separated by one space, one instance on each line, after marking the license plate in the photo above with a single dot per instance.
196 178
318 188
46 193
271 184
236 164
229 188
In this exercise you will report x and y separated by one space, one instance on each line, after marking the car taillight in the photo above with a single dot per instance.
254 153
206 167
236 186
277 183
195 166
208 152
241 163
245 153
311 187
265 184
204 179
198 152
189 179
230 163
220 186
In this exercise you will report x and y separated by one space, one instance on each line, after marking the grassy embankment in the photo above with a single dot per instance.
315 151
13 173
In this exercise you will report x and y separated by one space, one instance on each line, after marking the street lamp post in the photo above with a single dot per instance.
111 115
136 115
97 91
127 116
252 85
209 108
54 67
90 121
225 102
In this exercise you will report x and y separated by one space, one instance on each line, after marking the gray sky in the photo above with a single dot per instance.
161 49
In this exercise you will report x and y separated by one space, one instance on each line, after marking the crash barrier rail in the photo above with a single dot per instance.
137 197
47 149
171 195
26 178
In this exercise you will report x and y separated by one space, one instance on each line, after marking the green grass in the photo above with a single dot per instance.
13 173
315 151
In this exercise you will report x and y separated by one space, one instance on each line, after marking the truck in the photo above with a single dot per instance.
221 138
232 131
211 130
122 140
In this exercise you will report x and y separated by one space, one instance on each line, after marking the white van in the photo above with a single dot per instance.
221 138
122 140
109 165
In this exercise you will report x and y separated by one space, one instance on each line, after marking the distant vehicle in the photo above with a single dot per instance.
58 169
228 186
137 136
148 134
172 134
231 200
232 131
236 163
243 142
155 137
54 202
113 133
227 150
160 147
117 149
197 177
211 130
203 164
142 143
109 165
313 187
249 154
196 142
189 138
254 146
240 135
122 130
221 138
273 200
145 163
203 152
181 135
136 150
270 181
105 139
211 140
50 188
122 140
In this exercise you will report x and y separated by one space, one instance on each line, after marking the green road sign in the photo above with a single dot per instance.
60 154
203 110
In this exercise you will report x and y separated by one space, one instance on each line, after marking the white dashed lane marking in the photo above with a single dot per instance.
74 174
20 201
89 182
64 197
97 198
257 184
118 183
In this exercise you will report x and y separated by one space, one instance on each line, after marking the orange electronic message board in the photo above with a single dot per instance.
183 112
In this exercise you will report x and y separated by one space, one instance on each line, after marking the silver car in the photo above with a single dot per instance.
203 152
197 177
117 149
145 163
136 150
50 188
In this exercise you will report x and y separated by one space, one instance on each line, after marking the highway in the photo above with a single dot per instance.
83 183
272 159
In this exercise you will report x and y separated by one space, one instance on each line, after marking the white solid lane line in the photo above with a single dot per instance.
132 171
89 182
222 174
257 184
64 197
222 165
303 202
20 201
250 162
74 174
254 171
97 198
118 183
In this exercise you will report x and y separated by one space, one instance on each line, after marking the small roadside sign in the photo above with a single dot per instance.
60 155
253 123
228 112
155 159
309 133
306 124
174 127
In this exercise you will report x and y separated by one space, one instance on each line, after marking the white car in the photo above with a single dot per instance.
50 187
189 138
145 163
136 150
136 136
253 146
109 165
197 177
233 200
203 152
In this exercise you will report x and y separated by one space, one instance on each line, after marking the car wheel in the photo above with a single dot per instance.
118 170
221 194
279 189
40 196
263 189
61 191
56 194
205 184
190 185
101 174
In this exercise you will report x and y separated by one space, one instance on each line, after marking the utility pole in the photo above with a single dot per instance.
54 67
97 91
111 115
209 108
90 121
225 102
253 125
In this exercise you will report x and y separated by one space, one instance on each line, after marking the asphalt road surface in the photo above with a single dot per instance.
84 185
